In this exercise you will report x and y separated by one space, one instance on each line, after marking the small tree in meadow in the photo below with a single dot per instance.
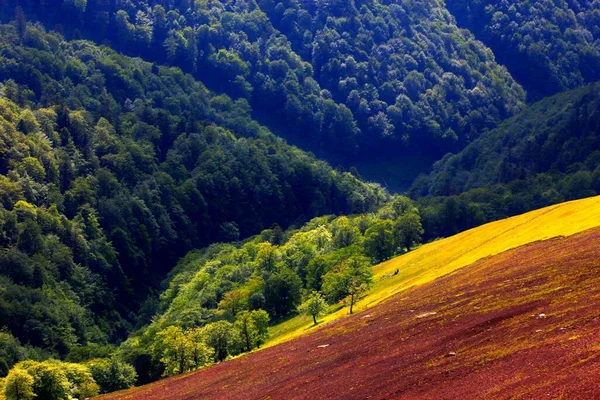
314 306
350 279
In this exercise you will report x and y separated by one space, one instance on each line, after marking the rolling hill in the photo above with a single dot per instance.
507 309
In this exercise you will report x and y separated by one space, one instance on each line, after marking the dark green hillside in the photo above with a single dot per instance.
558 135
404 69
352 81
230 46
112 168
548 46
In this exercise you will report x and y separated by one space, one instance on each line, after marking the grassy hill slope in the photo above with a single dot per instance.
498 326
442 257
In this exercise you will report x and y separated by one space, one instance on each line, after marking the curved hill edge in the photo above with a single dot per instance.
506 323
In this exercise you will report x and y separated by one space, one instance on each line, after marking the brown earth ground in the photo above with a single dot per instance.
524 324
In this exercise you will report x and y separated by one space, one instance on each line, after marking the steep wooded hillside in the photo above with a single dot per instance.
274 271
548 46
404 69
335 77
546 154
111 169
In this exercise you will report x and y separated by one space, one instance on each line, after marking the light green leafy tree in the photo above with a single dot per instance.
18 385
252 327
315 306
112 374
348 280
221 337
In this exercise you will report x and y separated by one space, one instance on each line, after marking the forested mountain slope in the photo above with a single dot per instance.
558 136
334 76
274 271
111 169
548 46
404 69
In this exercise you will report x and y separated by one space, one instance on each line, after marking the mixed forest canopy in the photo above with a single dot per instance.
112 168
332 76
272 271
547 154
548 46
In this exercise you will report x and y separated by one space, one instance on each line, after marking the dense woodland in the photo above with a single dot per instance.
150 222
548 46
112 169
274 271
331 75
404 69
548 154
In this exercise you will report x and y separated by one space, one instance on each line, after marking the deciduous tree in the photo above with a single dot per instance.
350 280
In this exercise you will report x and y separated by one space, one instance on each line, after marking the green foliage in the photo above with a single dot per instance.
315 306
406 72
49 379
111 169
112 374
547 154
380 241
366 77
18 385
409 230
252 328
348 280
282 292
182 351
81 380
233 284
222 338
11 352
548 46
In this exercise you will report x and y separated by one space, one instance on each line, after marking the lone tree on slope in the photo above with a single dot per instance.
315 305
350 279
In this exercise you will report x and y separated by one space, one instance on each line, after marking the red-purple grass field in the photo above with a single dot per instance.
522 324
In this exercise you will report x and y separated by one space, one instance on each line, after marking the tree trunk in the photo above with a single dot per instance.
351 302
314 319
247 334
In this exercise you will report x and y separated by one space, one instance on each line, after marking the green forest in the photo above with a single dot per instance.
178 176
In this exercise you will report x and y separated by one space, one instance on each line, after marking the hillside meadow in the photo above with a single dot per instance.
487 313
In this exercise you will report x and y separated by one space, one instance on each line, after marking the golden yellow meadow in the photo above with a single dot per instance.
445 256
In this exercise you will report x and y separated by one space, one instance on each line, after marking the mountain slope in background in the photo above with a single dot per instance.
548 46
397 80
380 77
557 137
404 69
513 324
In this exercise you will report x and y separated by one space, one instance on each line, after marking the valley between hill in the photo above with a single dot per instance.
505 310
